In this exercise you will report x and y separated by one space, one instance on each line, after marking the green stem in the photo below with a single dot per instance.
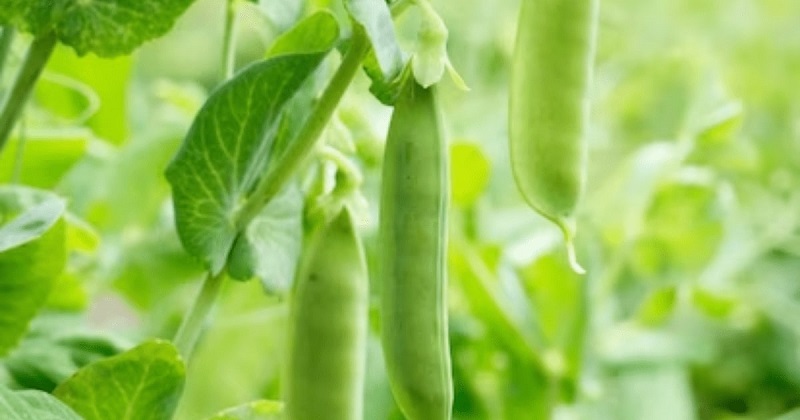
302 145
35 60
6 39
16 175
189 331
229 41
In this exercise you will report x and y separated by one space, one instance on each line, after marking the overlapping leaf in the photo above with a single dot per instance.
271 245
227 150
143 383
32 405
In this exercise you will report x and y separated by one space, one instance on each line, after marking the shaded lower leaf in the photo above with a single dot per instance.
144 383
33 405
54 349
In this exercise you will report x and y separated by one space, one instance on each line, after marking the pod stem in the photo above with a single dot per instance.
38 54
567 227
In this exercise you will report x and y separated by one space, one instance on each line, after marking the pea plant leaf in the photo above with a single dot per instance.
32 254
270 246
144 383
105 27
315 33
227 150
256 410
32 404
375 19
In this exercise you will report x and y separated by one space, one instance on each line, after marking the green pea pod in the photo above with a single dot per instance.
327 342
413 232
549 106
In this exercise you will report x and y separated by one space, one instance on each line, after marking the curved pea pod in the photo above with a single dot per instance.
328 333
413 229
549 106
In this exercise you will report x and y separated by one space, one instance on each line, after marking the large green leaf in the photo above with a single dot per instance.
143 383
271 245
227 150
104 27
256 410
32 254
32 405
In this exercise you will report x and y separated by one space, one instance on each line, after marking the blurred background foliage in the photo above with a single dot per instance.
689 229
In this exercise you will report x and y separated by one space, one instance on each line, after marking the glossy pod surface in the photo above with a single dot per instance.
549 104
327 344
413 233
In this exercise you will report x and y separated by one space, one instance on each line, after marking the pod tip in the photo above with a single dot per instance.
573 259
568 228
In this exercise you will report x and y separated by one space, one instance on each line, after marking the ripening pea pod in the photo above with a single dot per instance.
327 342
549 107
413 232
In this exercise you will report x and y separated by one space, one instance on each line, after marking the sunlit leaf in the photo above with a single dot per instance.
470 173
108 79
32 254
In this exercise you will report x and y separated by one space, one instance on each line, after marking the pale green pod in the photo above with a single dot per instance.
327 342
549 106
413 240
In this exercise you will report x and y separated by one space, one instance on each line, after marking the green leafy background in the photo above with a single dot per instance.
690 230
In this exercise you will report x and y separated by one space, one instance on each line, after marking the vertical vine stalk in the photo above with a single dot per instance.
36 58
6 40
229 41
302 145
16 174
186 337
